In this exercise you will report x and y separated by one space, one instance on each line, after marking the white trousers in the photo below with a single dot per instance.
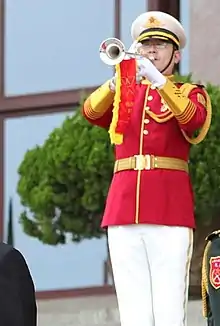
151 273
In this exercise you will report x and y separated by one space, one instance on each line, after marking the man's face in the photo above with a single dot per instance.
160 52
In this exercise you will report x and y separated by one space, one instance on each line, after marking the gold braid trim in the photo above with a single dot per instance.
186 89
163 117
160 118
115 137
204 283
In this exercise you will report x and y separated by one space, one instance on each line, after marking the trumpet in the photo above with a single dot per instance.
112 51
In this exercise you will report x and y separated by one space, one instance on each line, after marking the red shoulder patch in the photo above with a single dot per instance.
214 273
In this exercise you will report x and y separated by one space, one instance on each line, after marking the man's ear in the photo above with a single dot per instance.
177 56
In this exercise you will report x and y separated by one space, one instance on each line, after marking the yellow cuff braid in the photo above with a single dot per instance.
99 102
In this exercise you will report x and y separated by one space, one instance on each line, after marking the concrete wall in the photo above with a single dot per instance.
204 47
96 311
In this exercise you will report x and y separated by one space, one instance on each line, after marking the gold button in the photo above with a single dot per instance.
147 108
146 120
150 98
145 132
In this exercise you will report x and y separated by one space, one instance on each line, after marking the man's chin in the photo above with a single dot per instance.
156 64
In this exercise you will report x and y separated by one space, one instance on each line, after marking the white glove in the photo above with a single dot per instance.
148 70
145 68
112 83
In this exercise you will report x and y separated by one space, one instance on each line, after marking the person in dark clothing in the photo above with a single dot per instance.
17 292
211 279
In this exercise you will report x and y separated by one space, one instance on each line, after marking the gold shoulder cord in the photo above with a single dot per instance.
186 89
204 283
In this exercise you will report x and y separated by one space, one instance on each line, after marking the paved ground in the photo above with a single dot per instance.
99 311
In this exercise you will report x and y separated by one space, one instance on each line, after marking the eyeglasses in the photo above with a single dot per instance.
158 46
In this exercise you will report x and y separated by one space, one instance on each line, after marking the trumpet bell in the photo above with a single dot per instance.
112 51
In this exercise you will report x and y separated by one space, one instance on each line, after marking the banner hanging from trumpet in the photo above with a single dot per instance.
123 100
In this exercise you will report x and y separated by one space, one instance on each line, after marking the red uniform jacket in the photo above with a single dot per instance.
158 196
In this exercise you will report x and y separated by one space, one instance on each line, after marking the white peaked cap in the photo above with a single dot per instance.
157 24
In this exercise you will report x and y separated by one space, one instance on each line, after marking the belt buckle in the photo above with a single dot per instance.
142 162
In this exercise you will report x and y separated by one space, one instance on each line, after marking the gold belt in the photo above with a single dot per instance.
150 162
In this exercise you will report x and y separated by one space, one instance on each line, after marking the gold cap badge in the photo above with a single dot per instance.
153 22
